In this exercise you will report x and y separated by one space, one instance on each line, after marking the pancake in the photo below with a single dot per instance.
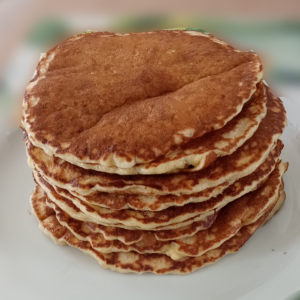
231 218
229 168
201 152
276 208
129 219
151 220
141 263
153 85
153 152
224 192
112 233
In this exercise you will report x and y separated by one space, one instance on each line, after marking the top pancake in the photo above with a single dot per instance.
203 151
121 100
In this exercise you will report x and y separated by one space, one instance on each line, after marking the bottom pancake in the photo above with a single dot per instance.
125 262
231 218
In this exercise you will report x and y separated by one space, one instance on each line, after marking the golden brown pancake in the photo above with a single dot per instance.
140 263
201 152
231 218
153 85
153 152
225 169
113 233
147 219
126 218
224 192
251 182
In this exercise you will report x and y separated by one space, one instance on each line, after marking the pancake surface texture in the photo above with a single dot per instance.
140 263
224 192
228 168
241 212
158 97
153 152
146 220
202 151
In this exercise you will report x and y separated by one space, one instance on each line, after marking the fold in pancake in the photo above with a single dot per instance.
86 89
228 168
201 152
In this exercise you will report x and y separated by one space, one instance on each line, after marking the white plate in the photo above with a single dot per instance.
33 267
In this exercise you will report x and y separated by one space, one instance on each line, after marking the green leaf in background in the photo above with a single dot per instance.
140 23
48 31
88 31
189 29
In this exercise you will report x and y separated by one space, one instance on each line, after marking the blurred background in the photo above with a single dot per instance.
31 27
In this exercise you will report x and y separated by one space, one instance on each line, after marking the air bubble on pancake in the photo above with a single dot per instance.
65 145
187 132
128 257
31 85
266 191
177 138
240 83
244 161
254 109
188 240
122 34
238 131
139 160
275 109
221 144
50 58
221 43
195 33
75 38
221 117
33 101
173 153
123 162
45 66
157 151
108 160
25 107
188 151
114 160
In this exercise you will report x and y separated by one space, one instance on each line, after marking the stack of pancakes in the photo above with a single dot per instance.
153 152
